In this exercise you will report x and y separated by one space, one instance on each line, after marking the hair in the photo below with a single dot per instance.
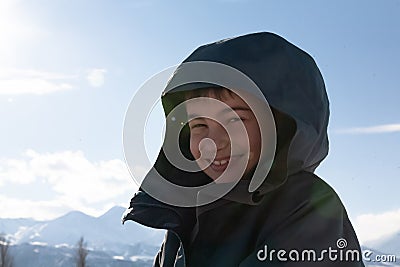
217 92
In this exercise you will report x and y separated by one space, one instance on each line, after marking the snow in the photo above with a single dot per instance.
43 244
136 258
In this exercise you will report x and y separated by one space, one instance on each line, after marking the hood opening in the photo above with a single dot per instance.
285 130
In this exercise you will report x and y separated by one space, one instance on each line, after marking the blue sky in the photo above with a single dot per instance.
68 70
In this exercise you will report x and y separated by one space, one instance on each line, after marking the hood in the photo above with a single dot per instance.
290 81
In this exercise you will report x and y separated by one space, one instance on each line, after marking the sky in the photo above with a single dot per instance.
68 70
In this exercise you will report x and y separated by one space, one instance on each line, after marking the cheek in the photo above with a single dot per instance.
194 146
254 139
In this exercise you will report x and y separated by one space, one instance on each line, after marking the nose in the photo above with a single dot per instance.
218 134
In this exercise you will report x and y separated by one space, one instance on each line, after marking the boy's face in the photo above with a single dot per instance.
209 119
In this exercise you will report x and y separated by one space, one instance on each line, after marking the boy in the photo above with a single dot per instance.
265 205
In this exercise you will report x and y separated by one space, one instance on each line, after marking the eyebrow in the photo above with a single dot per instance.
224 111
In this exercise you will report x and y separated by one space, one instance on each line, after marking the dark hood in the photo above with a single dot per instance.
292 84
290 81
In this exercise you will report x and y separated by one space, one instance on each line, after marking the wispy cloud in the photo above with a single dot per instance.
373 227
95 77
77 183
385 128
25 81
23 208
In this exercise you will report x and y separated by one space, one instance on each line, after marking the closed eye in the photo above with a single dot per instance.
235 119
198 125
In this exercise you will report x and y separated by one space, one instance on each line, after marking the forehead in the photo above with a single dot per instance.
214 103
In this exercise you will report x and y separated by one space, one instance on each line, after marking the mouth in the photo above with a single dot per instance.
220 162
219 165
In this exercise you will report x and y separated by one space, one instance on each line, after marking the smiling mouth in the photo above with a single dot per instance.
221 164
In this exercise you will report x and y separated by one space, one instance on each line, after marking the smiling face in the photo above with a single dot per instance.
210 121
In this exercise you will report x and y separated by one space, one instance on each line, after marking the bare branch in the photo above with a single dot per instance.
81 253
6 260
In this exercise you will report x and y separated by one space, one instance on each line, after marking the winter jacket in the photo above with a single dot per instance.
293 218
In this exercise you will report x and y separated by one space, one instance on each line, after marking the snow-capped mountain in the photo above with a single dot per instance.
375 258
390 244
53 242
99 232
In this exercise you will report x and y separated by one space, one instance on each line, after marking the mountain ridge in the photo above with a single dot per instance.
68 228
109 242
53 242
